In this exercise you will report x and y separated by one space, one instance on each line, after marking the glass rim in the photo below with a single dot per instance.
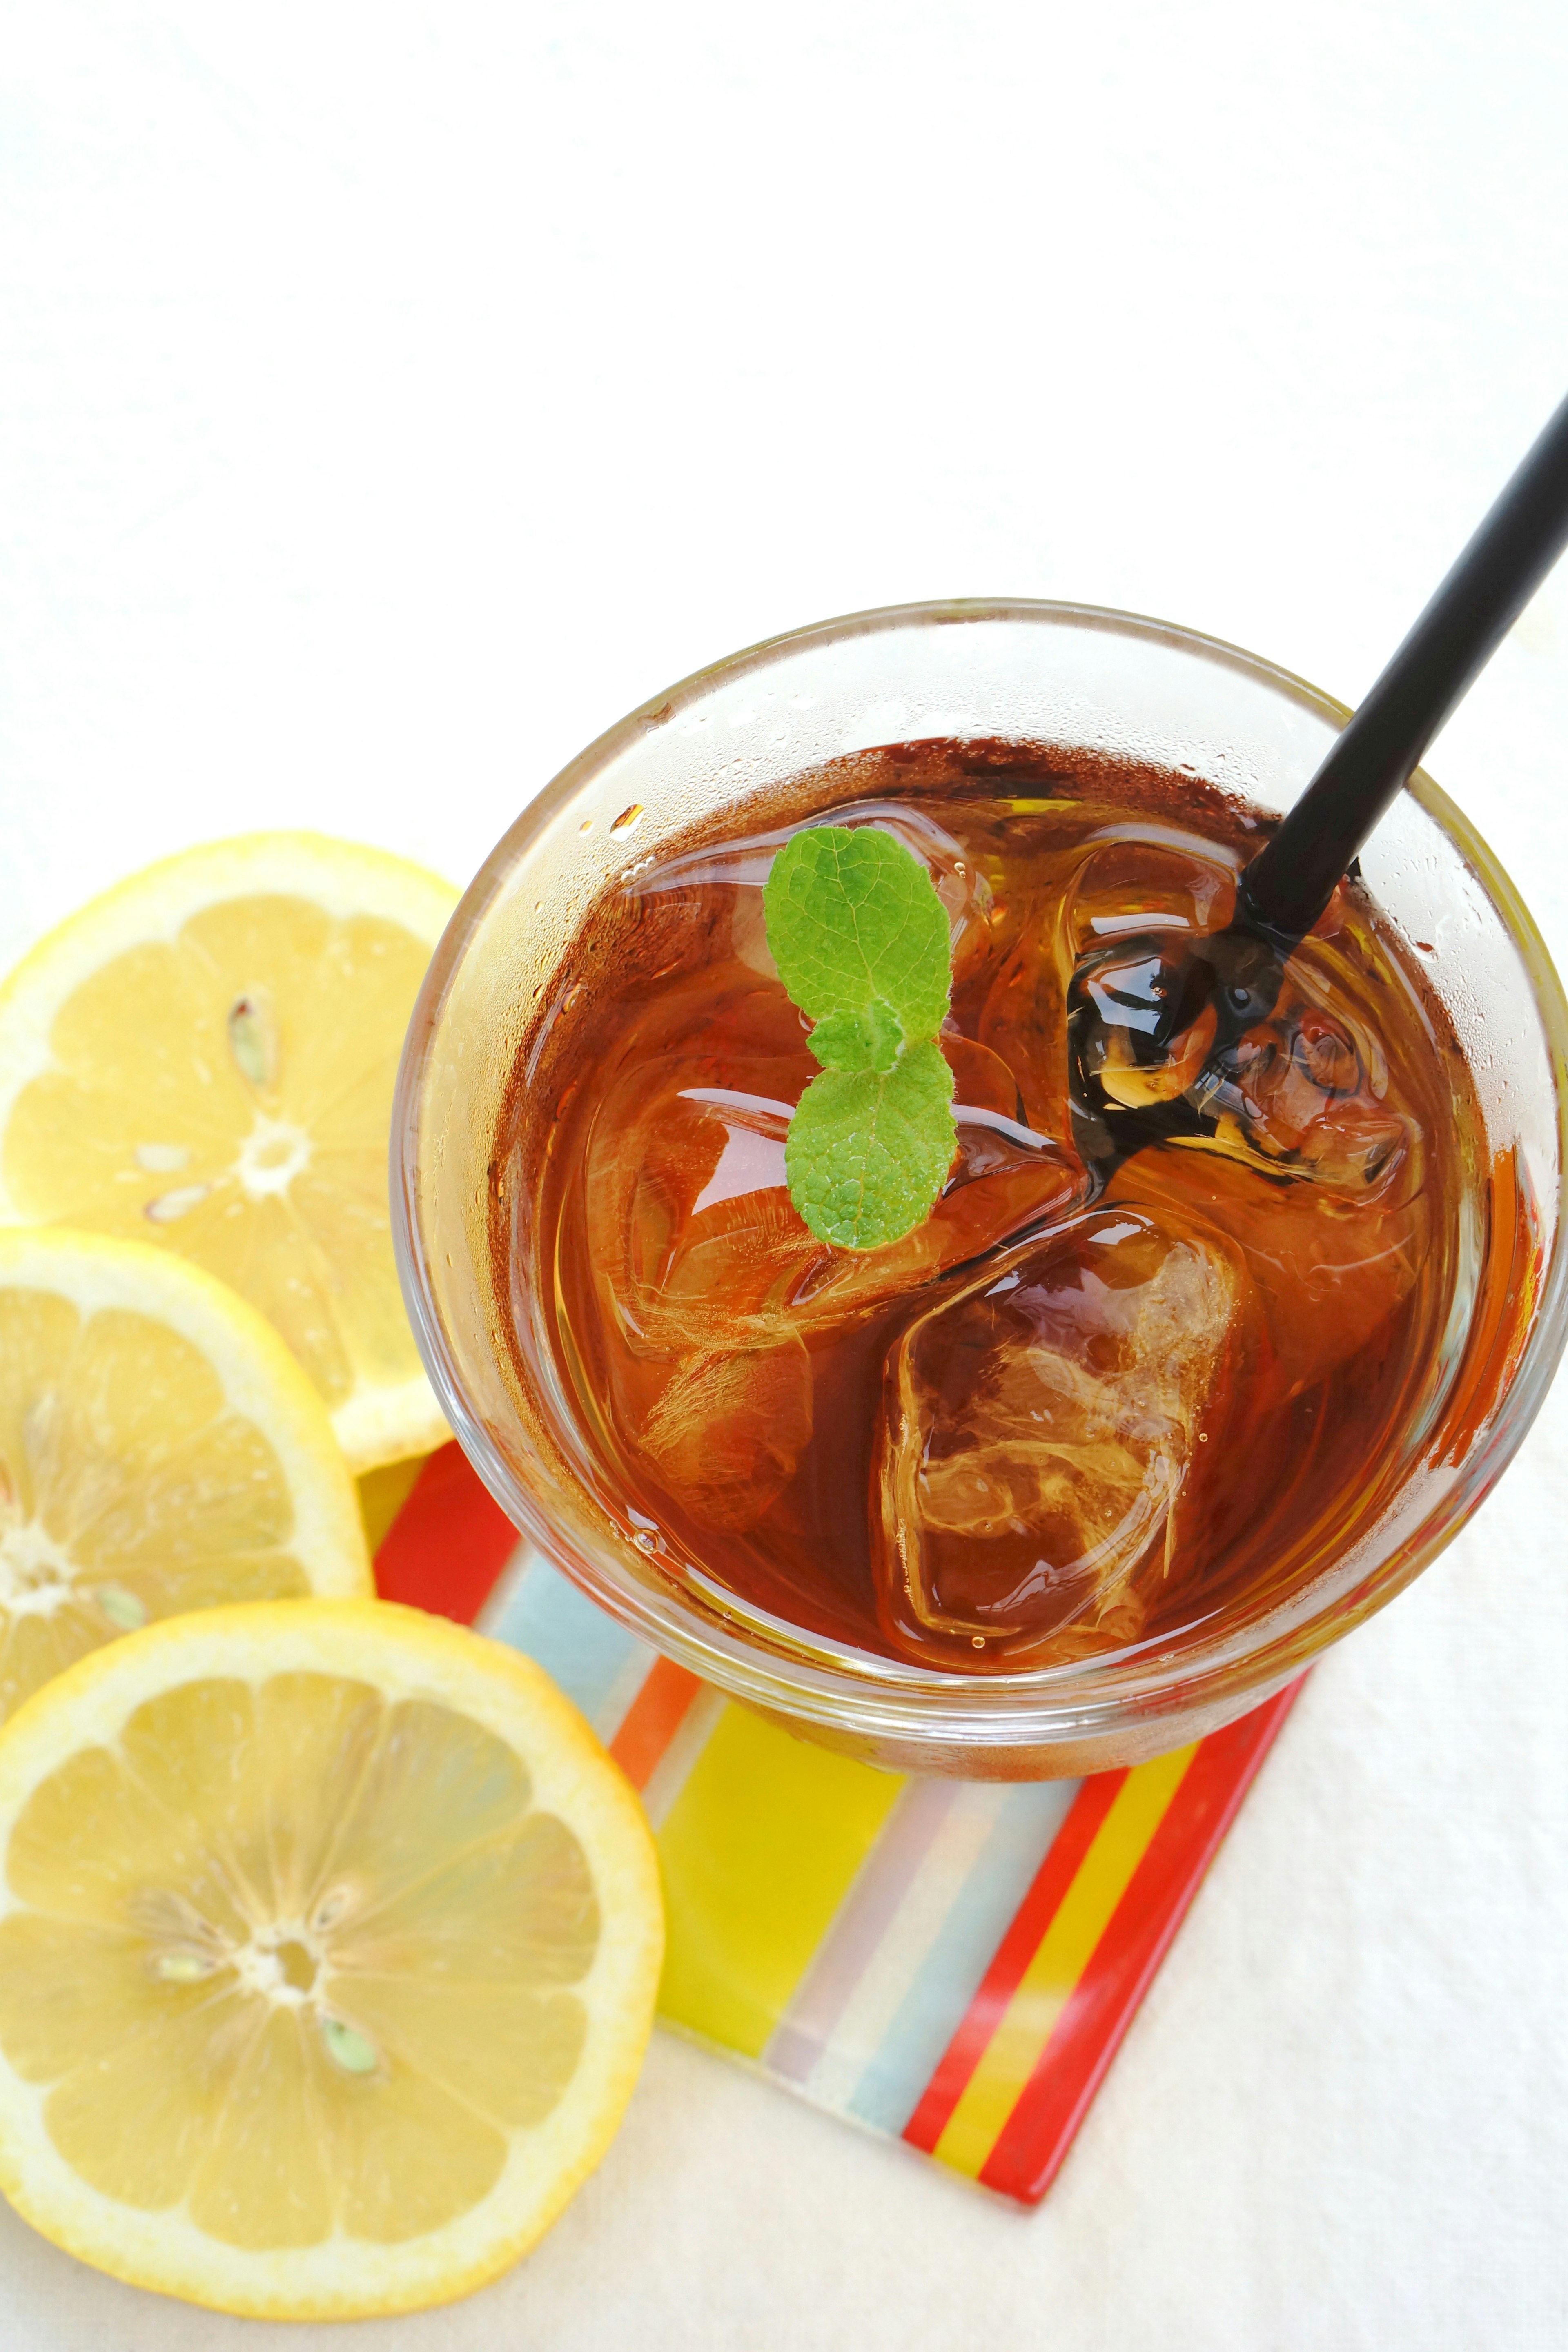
836 1686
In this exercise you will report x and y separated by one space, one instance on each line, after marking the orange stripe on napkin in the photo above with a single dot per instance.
652 1720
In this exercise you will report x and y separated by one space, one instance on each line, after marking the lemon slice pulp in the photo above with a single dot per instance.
160 1450
328 1955
204 1059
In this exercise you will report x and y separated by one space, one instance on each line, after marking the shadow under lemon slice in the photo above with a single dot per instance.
160 1450
204 1059
328 1958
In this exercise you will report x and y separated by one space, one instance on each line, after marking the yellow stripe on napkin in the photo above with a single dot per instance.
759 1849
384 1492
1065 1951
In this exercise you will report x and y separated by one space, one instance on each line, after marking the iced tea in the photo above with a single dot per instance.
1073 1413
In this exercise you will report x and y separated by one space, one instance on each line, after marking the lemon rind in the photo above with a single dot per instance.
378 1425
406 1653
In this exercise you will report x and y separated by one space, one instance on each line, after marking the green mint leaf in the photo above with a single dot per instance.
868 1037
868 1150
860 939
852 917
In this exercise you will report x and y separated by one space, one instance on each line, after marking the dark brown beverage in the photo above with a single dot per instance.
1063 1417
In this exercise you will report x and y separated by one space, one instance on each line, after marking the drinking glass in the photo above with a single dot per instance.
1111 686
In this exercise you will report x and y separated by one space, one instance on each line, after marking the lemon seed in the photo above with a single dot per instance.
348 2047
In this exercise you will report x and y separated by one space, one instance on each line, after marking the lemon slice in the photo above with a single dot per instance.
160 1450
204 1058
328 1952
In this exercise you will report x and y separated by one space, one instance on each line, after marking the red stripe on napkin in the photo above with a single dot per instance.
447 1544
1035 2139
1016 1949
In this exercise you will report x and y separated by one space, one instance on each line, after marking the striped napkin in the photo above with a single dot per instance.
949 1963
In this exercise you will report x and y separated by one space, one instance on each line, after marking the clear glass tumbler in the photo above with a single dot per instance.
1060 675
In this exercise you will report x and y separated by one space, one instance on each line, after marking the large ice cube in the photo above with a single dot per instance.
1130 884
696 1245
1330 1269
1124 885
1038 1439
728 879
1308 1093
709 1281
725 1431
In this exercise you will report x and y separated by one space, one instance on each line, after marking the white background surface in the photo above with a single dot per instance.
395 394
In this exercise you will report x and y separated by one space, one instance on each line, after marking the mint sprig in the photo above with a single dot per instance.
860 940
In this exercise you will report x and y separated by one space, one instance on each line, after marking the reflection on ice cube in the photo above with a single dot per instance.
1039 1433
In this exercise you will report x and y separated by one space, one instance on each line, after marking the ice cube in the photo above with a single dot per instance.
1305 1093
1329 1269
1132 884
694 1242
708 884
1039 1436
1307 1151
724 1432
1125 886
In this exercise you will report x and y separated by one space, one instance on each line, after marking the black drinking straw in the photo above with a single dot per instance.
1289 884
1127 1002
